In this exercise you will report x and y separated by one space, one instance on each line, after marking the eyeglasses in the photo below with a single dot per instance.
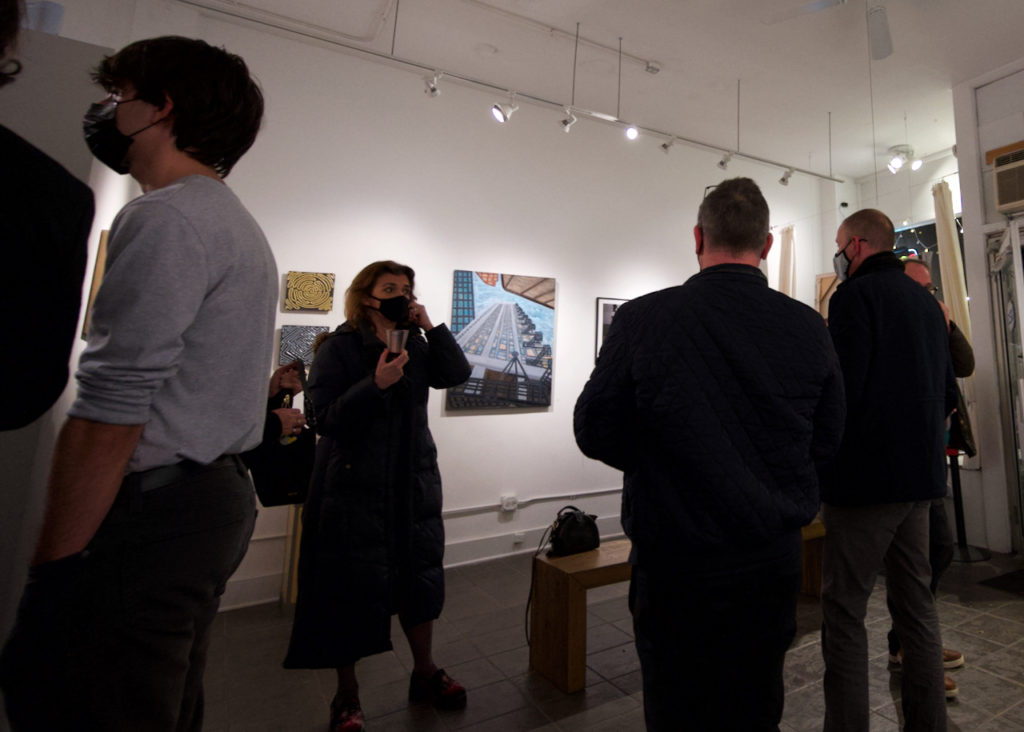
114 98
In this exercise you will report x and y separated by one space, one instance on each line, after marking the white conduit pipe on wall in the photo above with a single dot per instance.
473 510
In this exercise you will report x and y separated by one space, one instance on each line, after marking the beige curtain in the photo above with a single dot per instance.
954 287
787 262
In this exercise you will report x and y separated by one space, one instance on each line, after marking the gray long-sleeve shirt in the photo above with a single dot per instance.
182 328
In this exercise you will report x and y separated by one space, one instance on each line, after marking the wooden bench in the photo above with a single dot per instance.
558 615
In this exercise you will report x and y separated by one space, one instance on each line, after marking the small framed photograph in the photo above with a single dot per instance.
606 309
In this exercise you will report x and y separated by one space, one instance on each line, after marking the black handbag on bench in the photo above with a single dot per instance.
573 532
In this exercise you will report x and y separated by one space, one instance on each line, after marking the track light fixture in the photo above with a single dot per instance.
724 162
667 145
900 155
632 132
502 113
430 83
569 120
784 180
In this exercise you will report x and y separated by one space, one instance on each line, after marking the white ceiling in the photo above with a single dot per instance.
790 73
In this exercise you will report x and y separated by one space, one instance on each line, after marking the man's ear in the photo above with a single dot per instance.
698 237
767 246
164 110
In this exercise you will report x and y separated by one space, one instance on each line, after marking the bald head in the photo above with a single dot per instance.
919 272
872 227
864 234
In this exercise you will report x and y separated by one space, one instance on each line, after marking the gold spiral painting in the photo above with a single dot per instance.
309 291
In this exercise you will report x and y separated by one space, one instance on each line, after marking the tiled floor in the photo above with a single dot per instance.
480 641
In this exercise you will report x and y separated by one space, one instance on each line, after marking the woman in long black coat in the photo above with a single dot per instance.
373 538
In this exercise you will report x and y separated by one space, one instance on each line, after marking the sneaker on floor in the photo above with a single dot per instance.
346 716
951 658
441 690
951 690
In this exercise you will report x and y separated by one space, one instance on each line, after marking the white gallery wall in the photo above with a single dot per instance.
355 163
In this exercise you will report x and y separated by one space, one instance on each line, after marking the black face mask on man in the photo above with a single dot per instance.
395 309
105 141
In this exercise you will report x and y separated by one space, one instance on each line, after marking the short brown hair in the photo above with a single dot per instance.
218 106
872 226
362 286
734 217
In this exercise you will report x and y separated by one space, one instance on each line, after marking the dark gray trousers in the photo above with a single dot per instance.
712 649
859 542
940 554
115 638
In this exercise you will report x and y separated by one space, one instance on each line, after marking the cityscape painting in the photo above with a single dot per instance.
505 325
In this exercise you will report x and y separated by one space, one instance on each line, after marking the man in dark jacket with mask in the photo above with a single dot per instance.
893 345
718 399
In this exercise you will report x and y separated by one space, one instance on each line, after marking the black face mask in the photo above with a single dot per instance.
107 143
395 309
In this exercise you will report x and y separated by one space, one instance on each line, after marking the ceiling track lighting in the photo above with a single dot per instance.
631 130
784 180
900 155
420 67
502 112
569 120
724 162
431 88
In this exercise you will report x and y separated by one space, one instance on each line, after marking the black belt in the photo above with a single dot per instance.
147 480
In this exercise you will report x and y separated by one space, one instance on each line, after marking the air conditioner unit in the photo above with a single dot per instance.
1009 172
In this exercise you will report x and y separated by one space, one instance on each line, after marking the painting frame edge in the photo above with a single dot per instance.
598 321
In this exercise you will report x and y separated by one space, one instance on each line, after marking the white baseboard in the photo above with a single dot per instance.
267 588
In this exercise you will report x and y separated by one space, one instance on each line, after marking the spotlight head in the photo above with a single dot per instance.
784 180
916 165
632 132
724 162
898 157
430 85
502 112
569 121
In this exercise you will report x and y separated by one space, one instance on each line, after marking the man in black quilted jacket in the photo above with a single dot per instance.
719 400
893 344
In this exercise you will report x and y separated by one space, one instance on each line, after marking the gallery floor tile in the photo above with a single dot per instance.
480 641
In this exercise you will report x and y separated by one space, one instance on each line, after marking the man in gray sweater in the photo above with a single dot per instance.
150 508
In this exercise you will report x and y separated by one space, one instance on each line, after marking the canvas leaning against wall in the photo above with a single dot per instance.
505 325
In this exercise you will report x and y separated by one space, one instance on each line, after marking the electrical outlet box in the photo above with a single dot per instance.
509 503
